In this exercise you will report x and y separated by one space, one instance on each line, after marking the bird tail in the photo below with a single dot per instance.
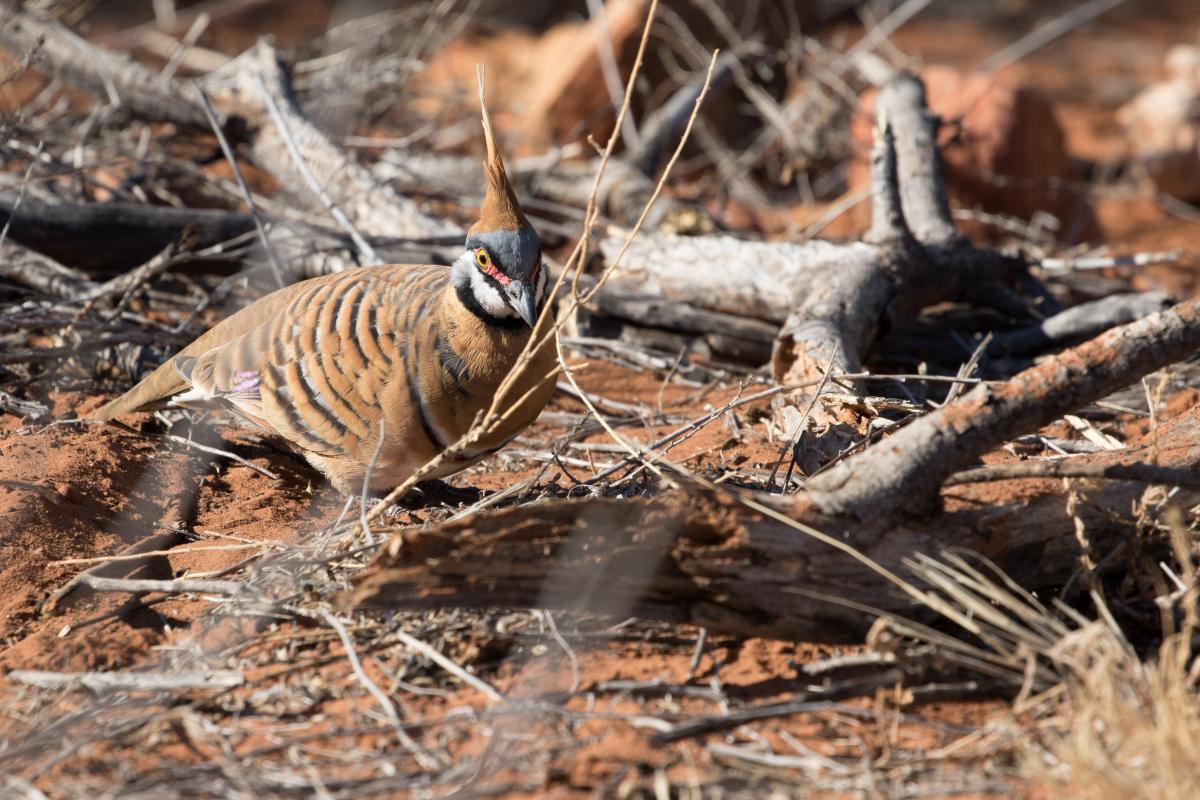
153 392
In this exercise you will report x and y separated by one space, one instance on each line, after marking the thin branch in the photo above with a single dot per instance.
1067 468
211 114
426 759
486 689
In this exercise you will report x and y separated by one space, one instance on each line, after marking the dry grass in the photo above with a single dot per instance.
1122 728
1111 722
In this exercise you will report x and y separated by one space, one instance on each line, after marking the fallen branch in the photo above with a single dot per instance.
152 543
244 89
141 586
108 237
20 407
1081 321
39 272
114 237
719 565
480 685
254 82
107 75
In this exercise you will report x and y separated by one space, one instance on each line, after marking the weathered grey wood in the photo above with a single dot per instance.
178 586
920 175
621 195
129 681
1083 320
237 94
1074 468
722 273
374 209
40 273
680 326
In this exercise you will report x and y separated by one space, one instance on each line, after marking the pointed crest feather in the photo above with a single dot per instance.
500 210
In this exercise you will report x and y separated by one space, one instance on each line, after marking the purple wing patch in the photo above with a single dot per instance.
247 383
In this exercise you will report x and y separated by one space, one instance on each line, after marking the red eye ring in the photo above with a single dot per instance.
485 263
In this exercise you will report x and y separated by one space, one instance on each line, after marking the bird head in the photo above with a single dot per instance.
502 269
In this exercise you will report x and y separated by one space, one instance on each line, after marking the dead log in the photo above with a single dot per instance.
254 84
705 559
372 199
770 280
1080 322
107 75
106 238
35 271
836 301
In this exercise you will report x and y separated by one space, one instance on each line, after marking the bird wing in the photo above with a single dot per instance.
309 362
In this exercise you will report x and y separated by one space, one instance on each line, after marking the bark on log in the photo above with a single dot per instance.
706 560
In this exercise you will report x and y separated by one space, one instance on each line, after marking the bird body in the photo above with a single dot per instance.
414 352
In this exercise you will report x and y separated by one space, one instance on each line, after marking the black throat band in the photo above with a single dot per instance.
472 304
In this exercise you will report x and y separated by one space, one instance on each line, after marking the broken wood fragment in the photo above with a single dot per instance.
129 681
140 586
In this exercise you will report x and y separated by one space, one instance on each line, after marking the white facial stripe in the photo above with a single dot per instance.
489 297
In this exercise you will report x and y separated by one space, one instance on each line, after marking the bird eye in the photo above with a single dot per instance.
481 258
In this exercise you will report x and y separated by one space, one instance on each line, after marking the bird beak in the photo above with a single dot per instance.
523 298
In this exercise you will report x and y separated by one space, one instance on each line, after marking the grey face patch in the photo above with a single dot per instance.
515 252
